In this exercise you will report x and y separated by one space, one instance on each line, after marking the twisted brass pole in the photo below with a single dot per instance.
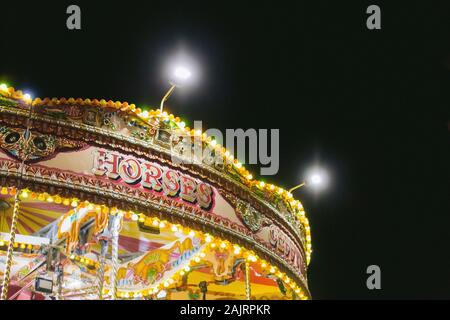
9 256
248 290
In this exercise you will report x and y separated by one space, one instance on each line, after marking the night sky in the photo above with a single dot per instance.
370 106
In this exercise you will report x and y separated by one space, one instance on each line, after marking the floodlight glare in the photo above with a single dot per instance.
182 73
316 178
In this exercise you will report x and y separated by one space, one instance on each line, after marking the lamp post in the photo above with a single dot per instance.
317 178
180 76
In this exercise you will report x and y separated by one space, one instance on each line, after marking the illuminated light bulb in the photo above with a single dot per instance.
27 97
287 280
272 187
155 223
227 153
2 243
171 281
208 239
174 229
297 291
213 245
272 270
134 217
141 219
187 269
223 245
202 254
213 143
249 177
237 250
182 124
197 259
280 190
238 165
191 233
74 203
166 284
24 194
182 273
182 73
162 224
22 246
50 199
144 114
82 260
263 265
90 207
66 202
72 257
3 87
262 184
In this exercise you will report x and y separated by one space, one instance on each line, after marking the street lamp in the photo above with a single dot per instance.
180 77
316 178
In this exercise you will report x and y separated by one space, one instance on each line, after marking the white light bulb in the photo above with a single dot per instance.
182 73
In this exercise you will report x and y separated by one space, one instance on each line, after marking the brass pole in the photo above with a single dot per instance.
9 256
296 187
248 289
166 97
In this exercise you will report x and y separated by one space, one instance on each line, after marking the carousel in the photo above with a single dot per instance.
103 200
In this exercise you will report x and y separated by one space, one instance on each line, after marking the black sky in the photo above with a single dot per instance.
372 106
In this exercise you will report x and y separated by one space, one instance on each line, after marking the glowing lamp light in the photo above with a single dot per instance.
317 178
182 73
27 97
3 87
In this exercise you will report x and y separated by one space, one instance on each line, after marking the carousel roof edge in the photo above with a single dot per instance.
18 98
